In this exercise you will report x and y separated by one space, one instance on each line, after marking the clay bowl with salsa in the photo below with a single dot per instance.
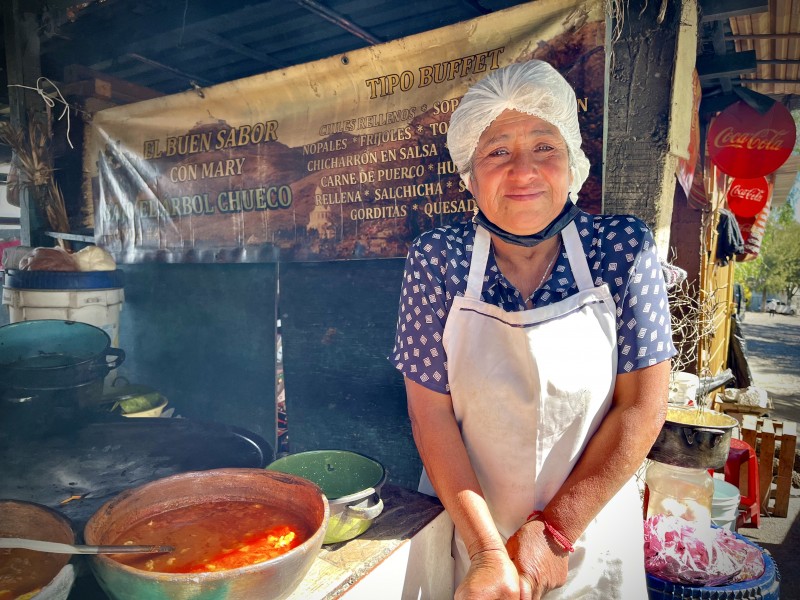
28 573
236 534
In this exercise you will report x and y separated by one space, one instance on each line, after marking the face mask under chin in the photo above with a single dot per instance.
564 218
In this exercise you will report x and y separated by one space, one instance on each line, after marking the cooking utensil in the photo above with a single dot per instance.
273 579
51 354
58 548
694 439
352 483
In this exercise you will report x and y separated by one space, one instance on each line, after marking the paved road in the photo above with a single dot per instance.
773 348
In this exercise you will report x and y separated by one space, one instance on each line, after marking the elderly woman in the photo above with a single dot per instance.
535 344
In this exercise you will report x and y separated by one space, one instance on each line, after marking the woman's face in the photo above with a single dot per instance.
520 173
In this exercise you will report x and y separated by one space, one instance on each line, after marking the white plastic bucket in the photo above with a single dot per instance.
725 504
683 387
93 297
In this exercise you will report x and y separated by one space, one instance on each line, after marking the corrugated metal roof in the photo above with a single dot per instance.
775 37
166 44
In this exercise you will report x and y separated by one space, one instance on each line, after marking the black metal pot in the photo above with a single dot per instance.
52 372
688 440
54 354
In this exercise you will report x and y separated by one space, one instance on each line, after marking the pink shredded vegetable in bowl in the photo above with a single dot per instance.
674 550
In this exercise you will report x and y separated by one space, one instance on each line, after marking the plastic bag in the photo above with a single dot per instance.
674 550
751 396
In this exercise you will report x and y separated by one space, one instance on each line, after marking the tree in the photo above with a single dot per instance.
777 267
785 259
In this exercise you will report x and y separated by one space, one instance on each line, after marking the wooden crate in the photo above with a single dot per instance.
735 407
775 484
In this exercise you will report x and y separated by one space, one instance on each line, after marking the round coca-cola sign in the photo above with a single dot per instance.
742 142
748 197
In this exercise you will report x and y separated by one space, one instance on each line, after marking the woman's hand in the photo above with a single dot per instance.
541 563
491 576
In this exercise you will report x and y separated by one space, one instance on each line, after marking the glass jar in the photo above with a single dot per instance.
680 492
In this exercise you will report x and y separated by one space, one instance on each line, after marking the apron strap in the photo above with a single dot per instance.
477 267
577 257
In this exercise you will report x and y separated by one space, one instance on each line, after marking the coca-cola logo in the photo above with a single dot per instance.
766 139
747 144
744 193
748 197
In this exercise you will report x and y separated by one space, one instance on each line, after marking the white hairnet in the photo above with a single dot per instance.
533 87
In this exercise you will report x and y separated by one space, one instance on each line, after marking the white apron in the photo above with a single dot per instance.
529 389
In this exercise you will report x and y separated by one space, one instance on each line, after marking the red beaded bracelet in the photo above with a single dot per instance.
559 537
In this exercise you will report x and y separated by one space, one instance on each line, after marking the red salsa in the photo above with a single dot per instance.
214 536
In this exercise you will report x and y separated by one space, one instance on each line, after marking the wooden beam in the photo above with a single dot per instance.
22 59
76 78
720 49
714 104
763 36
220 41
638 177
338 20
786 81
721 10
477 7
188 76
20 30
727 65
718 39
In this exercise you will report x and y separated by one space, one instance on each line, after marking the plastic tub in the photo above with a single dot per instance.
683 387
93 297
766 587
725 505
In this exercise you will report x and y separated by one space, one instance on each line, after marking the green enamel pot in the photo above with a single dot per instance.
351 482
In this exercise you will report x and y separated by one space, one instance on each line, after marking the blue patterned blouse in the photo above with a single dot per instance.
620 251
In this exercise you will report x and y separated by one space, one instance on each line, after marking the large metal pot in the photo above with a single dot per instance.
52 574
694 439
352 483
51 373
270 580
52 354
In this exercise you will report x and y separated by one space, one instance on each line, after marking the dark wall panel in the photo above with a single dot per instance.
204 336
338 322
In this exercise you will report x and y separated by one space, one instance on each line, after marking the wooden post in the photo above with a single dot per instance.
783 480
648 101
24 68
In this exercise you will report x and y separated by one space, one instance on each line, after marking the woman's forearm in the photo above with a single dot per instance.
615 451
444 455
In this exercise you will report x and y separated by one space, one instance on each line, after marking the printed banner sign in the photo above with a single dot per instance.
687 167
341 158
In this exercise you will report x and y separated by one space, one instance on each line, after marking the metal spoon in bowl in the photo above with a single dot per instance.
59 548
